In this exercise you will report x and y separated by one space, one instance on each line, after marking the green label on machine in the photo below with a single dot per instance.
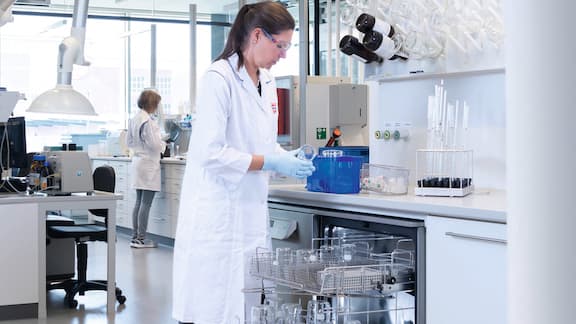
320 133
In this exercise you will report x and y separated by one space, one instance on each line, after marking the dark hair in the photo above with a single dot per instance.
148 99
271 16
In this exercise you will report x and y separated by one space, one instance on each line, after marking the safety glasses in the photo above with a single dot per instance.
280 44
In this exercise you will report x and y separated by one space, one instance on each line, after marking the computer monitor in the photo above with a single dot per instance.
13 144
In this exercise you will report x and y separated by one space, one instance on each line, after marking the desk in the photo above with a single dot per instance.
41 205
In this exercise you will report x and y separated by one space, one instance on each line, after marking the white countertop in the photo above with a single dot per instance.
112 158
170 160
10 199
484 204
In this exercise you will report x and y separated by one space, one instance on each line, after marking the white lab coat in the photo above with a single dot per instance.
223 215
144 139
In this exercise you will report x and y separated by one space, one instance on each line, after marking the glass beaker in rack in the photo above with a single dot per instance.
319 312
262 314
290 313
348 251
329 254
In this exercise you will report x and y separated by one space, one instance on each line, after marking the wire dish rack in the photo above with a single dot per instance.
341 267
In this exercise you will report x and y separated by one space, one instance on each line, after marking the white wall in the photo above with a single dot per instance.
405 101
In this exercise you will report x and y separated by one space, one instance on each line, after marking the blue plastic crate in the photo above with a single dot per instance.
336 174
362 151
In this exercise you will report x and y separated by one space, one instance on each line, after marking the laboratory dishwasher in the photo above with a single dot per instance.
343 267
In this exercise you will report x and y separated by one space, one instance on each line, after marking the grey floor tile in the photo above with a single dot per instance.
145 277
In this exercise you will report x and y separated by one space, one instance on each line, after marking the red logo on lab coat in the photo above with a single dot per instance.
274 107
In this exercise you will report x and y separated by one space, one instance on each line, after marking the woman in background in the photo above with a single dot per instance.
145 140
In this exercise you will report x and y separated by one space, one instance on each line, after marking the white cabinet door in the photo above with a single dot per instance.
465 272
159 220
19 254
172 205
123 187
172 178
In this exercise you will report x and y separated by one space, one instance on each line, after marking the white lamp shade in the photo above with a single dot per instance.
63 99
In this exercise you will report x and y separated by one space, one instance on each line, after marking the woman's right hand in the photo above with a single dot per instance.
286 163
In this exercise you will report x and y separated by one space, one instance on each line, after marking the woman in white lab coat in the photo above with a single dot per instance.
223 215
144 139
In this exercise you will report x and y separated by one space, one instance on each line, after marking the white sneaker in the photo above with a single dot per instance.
138 244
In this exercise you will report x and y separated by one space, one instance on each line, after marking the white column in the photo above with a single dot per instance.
541 160
193 45
153 66
304 42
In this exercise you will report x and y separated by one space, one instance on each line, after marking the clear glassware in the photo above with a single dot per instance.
262 314
283 255
291 313
348 251
284 258
306 152
329 254
313 256
319 312
348 15
304 256
352 3
364 4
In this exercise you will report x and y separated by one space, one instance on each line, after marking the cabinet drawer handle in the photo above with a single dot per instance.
477 238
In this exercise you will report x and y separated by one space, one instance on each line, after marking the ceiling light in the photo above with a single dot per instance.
63 99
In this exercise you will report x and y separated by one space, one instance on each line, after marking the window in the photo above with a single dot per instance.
119 52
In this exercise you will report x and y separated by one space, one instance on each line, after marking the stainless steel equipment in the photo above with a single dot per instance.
179 134
72 172
370 269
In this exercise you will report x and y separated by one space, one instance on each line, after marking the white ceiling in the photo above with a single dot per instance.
160 7
177 6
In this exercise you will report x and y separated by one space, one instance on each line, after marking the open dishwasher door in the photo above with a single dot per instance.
291 227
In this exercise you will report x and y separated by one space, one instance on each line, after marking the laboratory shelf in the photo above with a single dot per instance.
434 75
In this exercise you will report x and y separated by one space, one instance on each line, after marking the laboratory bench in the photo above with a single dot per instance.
23 240
488 205
169 160
464 246
465 238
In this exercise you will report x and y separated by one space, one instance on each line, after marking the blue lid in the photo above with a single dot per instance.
38 157
363 151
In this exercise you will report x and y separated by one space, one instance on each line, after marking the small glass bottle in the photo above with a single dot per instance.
35 171
381 45
45 181
366 22
350 45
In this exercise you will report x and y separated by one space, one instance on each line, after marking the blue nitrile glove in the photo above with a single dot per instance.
286 163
